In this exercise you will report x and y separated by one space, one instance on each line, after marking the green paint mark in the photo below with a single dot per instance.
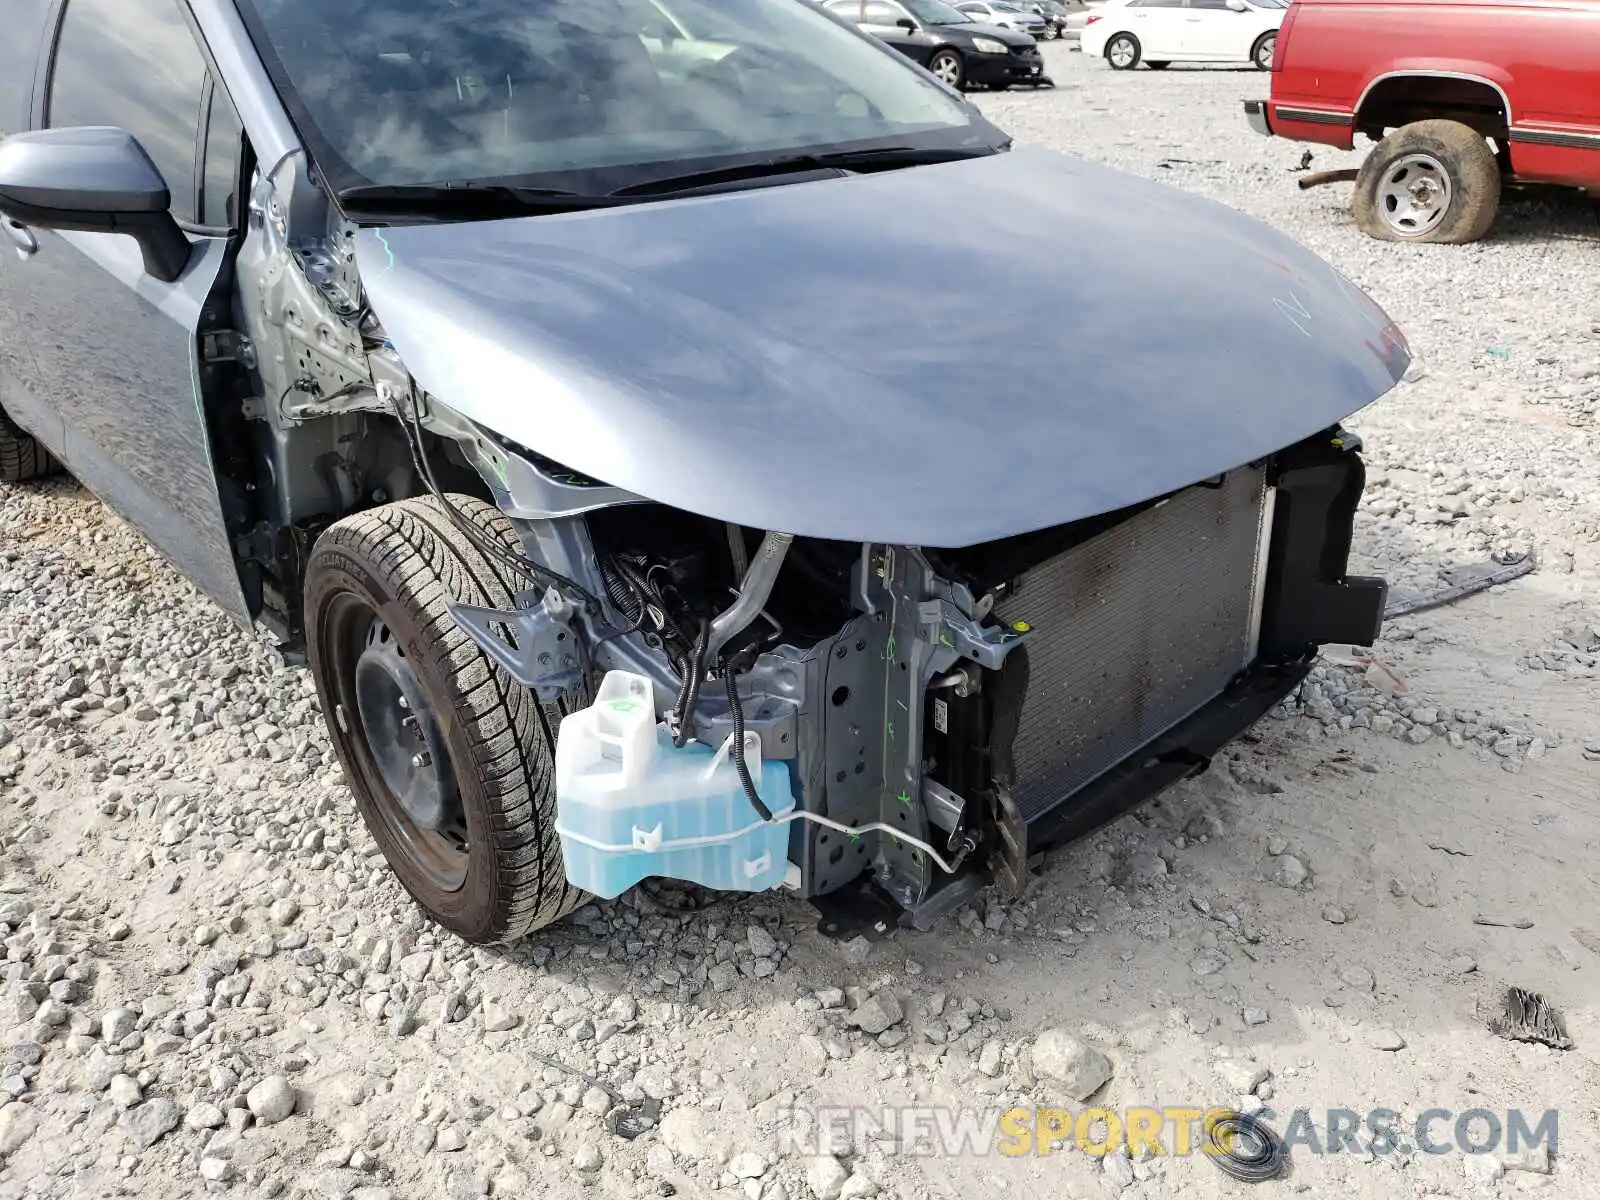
624 706
853 835
946 640
891 731
904 798
888 650
902 705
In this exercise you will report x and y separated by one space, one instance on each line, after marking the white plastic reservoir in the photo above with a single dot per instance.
630 804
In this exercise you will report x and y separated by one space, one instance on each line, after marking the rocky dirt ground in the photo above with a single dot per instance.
211 983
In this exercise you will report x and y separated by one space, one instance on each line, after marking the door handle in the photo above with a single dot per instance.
21 237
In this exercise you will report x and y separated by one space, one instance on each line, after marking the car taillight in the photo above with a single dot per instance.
1281 43
1090 20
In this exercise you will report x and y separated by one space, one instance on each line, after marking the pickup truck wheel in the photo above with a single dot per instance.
1430 181
451 761
1261 52
22 456
1122 52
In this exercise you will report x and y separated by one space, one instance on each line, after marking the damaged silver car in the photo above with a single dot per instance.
660 472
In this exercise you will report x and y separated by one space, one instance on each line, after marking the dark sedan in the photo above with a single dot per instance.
960 51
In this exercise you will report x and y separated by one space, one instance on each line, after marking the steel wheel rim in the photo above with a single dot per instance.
1121 53
1414 195
376 707
1265 52
947 69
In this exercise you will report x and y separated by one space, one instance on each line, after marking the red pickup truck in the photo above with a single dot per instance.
1460 96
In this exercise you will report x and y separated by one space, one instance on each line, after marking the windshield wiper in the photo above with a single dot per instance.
463 199
885 158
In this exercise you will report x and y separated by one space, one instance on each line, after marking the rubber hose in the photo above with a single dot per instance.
628 601
689 697
739 763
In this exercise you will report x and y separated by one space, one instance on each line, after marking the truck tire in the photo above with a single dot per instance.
451 761
1430 181
22 456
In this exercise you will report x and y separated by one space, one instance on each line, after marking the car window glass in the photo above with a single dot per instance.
582 95
1221 5
224 151
936 12
875 12
134 64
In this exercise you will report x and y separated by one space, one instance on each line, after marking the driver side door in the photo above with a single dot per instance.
115 352
1158 24
882 19
1215 31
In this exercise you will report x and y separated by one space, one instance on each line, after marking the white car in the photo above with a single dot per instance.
1007 16
1159 32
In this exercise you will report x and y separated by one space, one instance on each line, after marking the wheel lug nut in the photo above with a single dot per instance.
421 759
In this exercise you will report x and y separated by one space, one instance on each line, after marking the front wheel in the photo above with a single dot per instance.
450 760
1430 181
1122 52
22 456
1261 52
948 68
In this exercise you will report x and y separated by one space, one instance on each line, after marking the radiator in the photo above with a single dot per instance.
1134 630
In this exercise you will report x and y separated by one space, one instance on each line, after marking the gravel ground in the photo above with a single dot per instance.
211 983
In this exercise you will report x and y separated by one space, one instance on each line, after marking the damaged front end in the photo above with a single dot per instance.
934 716
946 715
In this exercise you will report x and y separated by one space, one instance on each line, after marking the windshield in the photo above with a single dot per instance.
586 95
936 12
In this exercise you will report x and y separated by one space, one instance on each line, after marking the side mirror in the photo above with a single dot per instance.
907 23
96 179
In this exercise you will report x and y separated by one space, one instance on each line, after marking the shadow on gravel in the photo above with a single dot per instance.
1535 215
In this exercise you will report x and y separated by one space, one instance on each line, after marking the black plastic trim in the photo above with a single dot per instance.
1556 137
1315 116
1308 599
1183 751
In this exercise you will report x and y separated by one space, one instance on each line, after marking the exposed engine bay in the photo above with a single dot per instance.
944 714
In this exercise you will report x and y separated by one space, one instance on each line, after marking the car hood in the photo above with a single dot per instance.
862 358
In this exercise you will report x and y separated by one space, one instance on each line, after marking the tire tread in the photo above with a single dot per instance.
415 548
1475 175
23 456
